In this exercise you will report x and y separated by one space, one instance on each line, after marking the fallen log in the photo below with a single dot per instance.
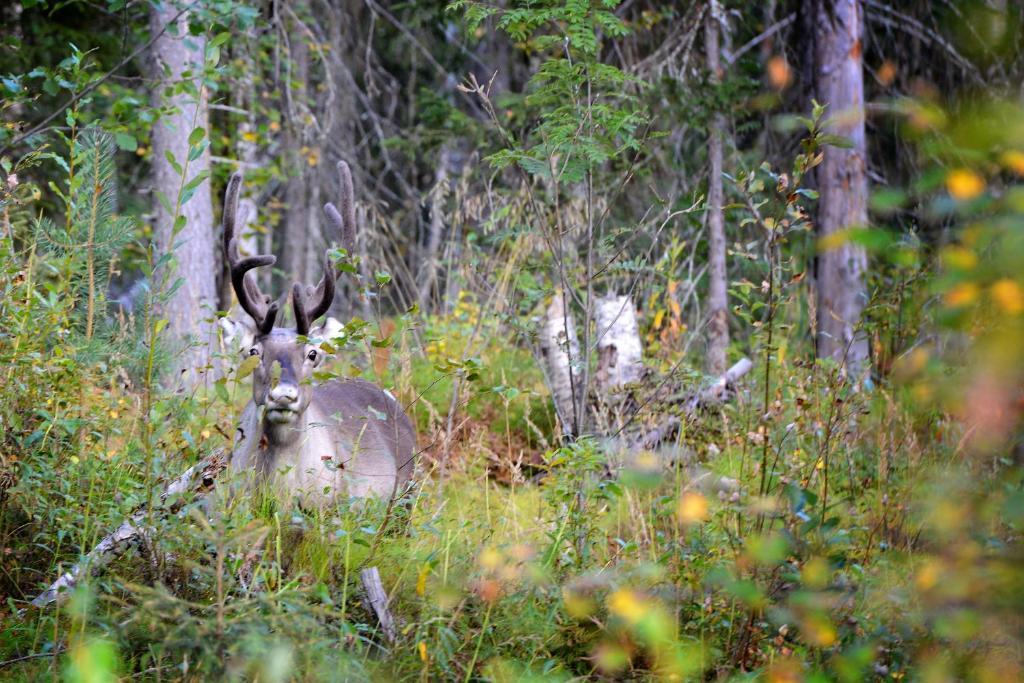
199 479
714 394
377 598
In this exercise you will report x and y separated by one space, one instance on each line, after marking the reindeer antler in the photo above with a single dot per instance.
310 303
250 298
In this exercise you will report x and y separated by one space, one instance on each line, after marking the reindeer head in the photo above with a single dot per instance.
282 382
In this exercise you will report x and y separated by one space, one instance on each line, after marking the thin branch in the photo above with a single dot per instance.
913 27
36 655
730 59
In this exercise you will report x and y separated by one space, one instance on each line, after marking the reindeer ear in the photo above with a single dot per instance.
237 334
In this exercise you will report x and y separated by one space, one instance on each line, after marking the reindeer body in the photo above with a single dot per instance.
353 440
311 442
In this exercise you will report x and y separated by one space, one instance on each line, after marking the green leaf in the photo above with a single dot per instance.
126 142
164 202
222 390
191 185
835 141
247 367
196 136
173 162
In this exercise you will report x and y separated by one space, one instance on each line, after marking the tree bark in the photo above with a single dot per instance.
435 228
842 181
619 351
189 311
718 303
295 241
243 97
561 349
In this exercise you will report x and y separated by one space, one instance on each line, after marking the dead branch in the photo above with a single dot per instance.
378 601
715 394
199 479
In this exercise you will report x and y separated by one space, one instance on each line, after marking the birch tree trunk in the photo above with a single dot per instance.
619 351
190 309
842 181
718 304
561 348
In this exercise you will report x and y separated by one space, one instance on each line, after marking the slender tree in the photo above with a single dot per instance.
300 211
842 180
718 305
176 57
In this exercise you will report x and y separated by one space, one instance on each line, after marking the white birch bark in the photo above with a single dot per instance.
619 351
561 349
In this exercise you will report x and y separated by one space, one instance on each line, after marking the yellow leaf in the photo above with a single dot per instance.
693 508
1008 295
423 650
658 318
959 258
964 184
928 575
819 631
249 136
815 573
833 240
421 580
628 604
1014 160
490 559
962 295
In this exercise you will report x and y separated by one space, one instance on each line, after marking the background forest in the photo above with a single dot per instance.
709 316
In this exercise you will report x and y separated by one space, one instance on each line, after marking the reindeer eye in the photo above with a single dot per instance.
311 355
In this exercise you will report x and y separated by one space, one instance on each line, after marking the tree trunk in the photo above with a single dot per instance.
561 349
718 304
243 97
189 311
451 160
619 351
842 181
295 241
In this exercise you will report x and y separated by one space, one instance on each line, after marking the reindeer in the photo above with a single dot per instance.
312 441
